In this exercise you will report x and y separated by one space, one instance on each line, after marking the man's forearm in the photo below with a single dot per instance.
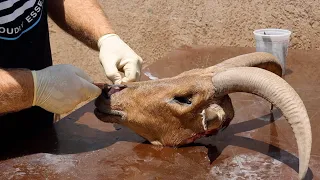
84 19
16 90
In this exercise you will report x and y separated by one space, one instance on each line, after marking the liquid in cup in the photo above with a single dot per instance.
273 41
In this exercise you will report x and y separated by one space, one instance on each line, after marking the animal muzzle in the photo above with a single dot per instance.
108 90
103 101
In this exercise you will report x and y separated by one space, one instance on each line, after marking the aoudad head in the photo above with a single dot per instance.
178 110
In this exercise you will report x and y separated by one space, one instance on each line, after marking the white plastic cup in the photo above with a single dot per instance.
273 41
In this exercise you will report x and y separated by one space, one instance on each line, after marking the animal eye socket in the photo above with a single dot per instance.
182 99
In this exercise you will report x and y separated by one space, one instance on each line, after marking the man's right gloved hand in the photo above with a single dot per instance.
60 88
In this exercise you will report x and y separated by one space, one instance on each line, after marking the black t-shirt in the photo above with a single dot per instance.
24 43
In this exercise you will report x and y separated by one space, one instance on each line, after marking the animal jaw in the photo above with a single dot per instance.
178 110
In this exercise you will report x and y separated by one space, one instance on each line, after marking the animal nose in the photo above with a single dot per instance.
108 89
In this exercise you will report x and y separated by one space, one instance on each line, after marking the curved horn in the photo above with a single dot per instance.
278 92
257 59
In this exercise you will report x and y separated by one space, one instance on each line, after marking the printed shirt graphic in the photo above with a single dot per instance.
18 17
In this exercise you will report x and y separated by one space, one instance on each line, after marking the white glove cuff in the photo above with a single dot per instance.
103 38
34 87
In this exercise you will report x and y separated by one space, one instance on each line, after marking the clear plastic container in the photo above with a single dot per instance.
274 41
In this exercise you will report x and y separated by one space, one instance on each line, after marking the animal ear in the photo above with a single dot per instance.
261 60
221 111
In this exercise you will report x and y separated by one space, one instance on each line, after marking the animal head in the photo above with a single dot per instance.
178 110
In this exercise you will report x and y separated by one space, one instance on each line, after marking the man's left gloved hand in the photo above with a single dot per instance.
116 55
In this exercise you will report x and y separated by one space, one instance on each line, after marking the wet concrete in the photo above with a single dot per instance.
257 145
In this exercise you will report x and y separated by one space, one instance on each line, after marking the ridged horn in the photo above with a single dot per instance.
278 92
261 60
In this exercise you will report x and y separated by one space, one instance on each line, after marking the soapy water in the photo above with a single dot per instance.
247 167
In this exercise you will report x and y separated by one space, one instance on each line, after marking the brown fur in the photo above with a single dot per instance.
150 109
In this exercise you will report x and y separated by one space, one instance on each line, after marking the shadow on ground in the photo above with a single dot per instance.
69 137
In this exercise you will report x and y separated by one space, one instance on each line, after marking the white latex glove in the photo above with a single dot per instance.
60 88
116 55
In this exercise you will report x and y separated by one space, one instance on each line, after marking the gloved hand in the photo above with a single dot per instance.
60 88
116 55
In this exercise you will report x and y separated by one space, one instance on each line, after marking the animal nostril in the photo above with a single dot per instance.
183 100
105 95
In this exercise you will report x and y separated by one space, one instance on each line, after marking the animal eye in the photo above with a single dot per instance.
182 100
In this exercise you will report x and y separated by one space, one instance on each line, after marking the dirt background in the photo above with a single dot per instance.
153 28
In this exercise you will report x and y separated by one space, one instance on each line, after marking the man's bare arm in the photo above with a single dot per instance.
16 90
84 19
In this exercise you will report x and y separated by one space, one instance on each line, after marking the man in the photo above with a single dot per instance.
31 88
